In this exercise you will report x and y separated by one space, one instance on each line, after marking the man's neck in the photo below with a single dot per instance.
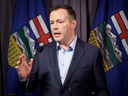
65 45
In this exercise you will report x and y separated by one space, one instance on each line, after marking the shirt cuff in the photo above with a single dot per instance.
22 80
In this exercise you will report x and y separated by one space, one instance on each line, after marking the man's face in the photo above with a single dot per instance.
62 29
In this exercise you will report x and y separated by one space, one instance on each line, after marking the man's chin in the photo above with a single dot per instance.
57 39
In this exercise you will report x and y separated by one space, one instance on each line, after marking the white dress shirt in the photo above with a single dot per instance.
64 58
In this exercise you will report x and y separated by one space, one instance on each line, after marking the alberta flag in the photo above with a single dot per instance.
110 34
30 29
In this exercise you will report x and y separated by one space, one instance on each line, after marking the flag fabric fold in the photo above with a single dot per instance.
30 29
110 33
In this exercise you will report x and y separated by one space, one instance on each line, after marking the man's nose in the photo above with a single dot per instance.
55 26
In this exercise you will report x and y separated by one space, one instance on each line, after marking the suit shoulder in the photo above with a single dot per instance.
49 44
91 49
87 45
91 46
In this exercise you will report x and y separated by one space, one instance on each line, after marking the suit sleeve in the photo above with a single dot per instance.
33 80
99 75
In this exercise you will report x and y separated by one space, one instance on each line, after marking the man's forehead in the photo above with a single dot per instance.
58 14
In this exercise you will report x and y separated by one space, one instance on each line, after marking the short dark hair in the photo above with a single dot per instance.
69 9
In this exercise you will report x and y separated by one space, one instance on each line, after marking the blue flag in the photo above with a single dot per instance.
30 29
110 34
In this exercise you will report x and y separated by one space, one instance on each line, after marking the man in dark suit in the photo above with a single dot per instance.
66 59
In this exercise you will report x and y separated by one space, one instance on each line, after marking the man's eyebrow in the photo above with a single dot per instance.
51 21
59 20
56 20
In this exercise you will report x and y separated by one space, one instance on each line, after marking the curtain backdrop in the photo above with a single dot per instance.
6 15
85 11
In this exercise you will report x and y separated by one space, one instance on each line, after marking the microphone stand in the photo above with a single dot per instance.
39 49
70 91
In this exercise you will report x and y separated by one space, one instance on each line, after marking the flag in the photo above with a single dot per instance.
110 33
30 29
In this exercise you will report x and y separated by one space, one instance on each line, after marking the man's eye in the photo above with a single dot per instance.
51 23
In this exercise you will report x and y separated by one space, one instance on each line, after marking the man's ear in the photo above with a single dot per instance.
73 24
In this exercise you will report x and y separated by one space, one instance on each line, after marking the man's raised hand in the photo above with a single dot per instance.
23 69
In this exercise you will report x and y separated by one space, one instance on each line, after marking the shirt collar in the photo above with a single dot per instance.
70 47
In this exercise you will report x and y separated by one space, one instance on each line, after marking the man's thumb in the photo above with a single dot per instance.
30 62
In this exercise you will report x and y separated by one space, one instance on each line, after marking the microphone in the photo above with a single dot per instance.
70 92
39 49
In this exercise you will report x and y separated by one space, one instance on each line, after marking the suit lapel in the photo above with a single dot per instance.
53 61
78 53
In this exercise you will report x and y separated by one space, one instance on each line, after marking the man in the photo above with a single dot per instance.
66 59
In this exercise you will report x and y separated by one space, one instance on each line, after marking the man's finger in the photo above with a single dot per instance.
30 62
17 67
22 58
18 63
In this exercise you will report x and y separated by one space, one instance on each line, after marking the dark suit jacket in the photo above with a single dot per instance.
86 66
